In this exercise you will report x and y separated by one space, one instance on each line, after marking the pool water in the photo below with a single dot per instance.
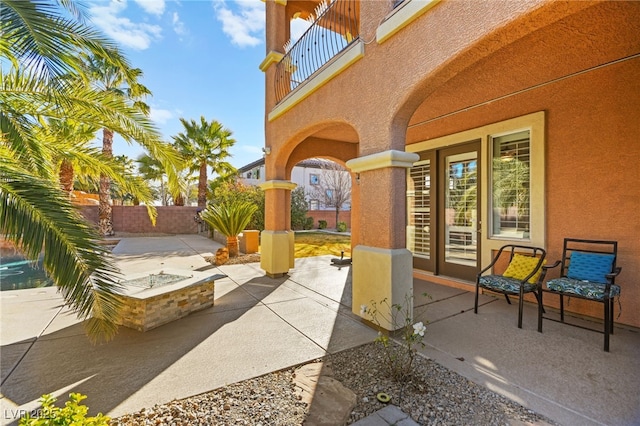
18 273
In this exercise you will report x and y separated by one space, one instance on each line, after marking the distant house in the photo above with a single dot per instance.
310 175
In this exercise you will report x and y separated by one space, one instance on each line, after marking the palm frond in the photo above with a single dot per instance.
229 219
35 215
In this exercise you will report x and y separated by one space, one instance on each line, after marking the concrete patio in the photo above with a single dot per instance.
259 324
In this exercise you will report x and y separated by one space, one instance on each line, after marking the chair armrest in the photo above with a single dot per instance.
545 268
610 277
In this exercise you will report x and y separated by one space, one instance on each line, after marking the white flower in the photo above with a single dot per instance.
363 310
419 328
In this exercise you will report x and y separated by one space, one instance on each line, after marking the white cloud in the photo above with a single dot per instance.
298 27
178 25
161 116
154 7
245 24
131 34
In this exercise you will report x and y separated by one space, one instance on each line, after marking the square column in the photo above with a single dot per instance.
382 267
277 254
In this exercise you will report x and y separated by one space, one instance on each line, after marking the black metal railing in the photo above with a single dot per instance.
335 27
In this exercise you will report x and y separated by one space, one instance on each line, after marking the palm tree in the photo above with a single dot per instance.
124 83
42 43
205 145
230 219
152 170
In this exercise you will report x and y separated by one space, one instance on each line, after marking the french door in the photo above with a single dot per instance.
443 215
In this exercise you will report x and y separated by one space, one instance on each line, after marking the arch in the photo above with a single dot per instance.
530 42
335 140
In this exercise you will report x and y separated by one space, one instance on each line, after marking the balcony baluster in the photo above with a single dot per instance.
336 26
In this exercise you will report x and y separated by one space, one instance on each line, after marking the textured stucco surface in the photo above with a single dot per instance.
466 64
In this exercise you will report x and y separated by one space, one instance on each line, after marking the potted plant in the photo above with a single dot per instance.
229 219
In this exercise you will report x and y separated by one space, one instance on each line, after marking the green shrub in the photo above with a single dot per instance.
308 223
322 224
342 227
298 208
231 192
72 414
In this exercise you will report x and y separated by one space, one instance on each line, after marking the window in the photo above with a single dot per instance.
314 179
314 205
511 185
511 202
419 209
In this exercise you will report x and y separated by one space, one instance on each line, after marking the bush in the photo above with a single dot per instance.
399 359
298 208
230 192
342 227
309 223
322 224
73 413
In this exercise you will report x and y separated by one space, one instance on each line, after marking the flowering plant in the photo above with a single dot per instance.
399 357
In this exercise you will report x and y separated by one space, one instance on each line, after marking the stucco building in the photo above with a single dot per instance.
427 102
316 177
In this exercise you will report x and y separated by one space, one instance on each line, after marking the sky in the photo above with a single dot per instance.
199 58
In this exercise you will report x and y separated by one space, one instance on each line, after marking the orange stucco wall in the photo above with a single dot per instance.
466 64
592 164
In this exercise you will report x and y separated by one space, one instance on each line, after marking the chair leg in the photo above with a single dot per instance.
475 306
607 317
561 308
506 296
540 311
539 299
520 307
611 313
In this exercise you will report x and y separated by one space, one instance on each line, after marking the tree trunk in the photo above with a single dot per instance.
178 200
232 246
337 216
105 212
66 176
202 185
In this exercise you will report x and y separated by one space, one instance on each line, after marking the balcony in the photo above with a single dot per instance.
335 27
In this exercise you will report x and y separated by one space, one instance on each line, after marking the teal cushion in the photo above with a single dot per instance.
590 266
587 289
504 284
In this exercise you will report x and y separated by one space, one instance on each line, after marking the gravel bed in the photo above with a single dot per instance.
434 396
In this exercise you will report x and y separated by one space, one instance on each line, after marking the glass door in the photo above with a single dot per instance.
459 217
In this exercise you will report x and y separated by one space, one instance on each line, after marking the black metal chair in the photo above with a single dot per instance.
523 275
587 271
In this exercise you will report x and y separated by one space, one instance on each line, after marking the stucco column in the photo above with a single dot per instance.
277 240
277 34
382 267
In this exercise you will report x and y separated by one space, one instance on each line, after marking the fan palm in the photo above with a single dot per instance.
205 145
230 219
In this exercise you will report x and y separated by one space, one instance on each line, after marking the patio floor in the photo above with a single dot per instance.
562 373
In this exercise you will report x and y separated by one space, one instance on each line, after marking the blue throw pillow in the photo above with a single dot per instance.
590 266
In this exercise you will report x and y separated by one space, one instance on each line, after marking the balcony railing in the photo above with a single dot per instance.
335 27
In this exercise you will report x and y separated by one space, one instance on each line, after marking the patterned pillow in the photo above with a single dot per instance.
590 266
521 266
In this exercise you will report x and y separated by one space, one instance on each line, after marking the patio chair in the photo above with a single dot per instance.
587 271
523 275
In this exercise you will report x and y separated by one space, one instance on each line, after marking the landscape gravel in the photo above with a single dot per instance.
434 395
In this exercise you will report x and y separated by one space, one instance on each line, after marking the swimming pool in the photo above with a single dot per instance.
18 273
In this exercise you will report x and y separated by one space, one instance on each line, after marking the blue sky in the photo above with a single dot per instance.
199 58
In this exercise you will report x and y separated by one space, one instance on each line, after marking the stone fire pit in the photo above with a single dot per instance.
153 299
